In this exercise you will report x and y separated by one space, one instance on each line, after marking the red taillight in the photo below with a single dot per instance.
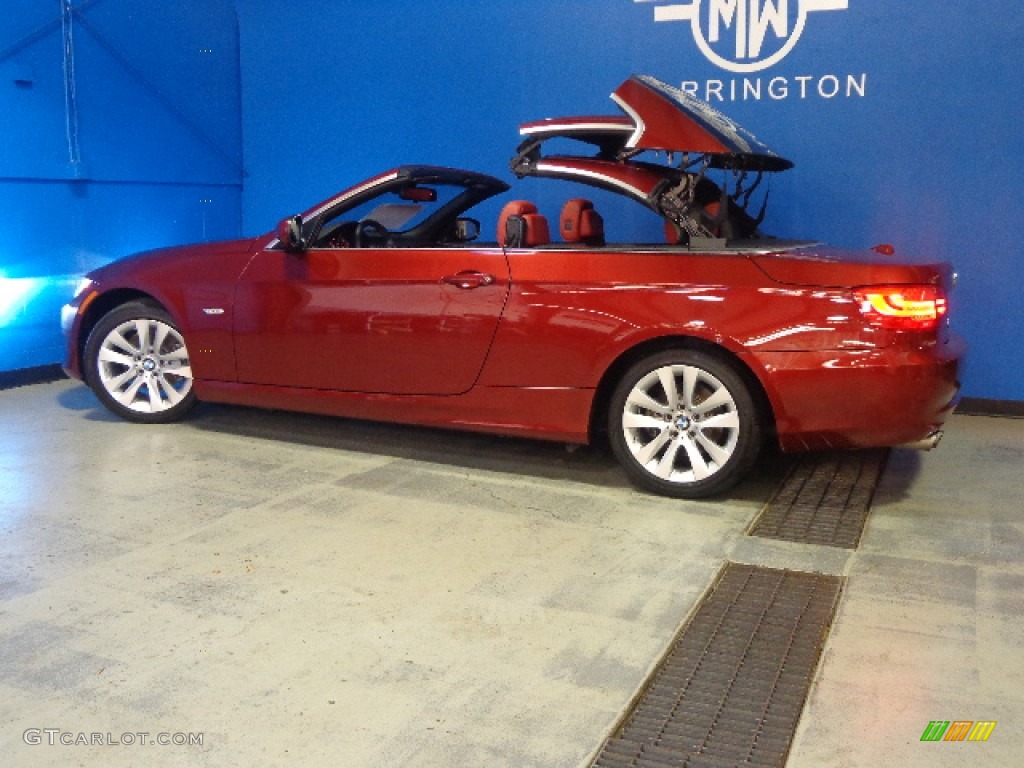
902 307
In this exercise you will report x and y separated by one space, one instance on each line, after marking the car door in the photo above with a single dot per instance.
410 321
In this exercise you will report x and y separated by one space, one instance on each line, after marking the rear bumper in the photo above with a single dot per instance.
862 399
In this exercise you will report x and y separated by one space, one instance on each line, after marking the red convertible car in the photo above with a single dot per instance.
688 351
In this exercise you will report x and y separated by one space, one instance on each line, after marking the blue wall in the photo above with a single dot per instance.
904 119
138 146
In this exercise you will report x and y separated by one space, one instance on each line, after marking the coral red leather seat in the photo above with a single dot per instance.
520 226
580 223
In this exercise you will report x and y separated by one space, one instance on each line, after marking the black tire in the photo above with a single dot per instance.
683 423
137 363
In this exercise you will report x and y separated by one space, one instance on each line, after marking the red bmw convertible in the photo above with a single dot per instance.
688 351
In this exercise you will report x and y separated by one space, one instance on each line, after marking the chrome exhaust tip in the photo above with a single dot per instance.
927 443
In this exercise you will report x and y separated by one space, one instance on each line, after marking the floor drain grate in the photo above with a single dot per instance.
824 499
733 684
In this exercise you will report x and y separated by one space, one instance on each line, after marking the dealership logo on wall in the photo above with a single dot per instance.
750 36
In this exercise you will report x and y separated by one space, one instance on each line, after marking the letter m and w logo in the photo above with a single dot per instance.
958 730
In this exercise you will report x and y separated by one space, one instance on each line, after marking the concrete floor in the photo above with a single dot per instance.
316 592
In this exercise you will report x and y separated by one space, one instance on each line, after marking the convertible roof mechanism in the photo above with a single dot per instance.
673 120
662 119
632 179
609 134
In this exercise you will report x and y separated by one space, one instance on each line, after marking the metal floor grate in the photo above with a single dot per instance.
732 686
825 499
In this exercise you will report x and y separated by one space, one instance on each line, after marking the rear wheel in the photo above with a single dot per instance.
138 365
683 423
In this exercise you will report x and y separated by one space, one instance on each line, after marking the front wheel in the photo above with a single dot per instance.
683 423
137 364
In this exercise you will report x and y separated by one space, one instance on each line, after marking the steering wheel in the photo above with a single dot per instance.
341 236
370 233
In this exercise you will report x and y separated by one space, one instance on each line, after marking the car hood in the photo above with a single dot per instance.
206 257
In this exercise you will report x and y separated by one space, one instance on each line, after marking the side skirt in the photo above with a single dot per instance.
548 413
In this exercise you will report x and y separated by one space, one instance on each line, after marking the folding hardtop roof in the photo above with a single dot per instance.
660 117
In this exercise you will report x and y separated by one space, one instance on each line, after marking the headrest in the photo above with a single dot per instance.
513 208
537 232
580 223
526 231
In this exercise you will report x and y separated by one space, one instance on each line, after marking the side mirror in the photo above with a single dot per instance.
289 232
467 230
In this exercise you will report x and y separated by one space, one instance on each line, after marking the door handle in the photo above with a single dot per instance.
468 279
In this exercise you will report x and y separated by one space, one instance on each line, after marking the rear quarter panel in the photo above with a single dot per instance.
572 313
